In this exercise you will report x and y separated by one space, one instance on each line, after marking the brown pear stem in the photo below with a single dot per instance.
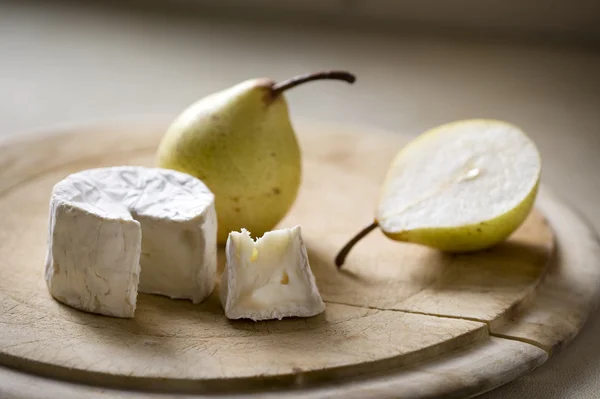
298 80
341 256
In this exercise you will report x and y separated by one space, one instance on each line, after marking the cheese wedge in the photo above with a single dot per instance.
119 230
269 278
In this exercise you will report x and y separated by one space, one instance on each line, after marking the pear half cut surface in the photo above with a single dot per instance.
463 186
269 278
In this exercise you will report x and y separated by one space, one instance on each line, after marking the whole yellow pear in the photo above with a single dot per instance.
241 144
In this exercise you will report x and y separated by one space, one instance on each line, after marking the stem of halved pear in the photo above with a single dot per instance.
298 80
341 256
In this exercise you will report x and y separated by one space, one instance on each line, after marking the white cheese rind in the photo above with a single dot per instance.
270 278
93 264
111 229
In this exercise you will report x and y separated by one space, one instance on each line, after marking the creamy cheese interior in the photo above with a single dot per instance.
269 277
267 270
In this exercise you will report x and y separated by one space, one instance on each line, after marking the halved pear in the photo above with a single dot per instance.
463 186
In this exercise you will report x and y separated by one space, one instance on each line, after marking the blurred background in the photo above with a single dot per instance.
419 63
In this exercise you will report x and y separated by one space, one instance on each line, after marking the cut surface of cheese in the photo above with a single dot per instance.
269 278
119 230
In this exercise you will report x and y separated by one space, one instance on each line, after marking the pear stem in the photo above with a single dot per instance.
298 80
341 256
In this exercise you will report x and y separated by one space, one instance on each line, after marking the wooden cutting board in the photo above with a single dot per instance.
401 321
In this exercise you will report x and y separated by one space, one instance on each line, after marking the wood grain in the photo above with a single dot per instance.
571 289
395 307
459 374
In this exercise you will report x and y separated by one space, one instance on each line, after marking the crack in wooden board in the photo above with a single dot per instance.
570 291
194 343
385 274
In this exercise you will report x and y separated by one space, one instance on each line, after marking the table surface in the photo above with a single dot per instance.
66 64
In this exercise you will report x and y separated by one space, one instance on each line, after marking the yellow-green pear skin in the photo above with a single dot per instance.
241 144
474 237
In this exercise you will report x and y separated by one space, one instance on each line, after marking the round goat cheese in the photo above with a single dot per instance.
118 230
